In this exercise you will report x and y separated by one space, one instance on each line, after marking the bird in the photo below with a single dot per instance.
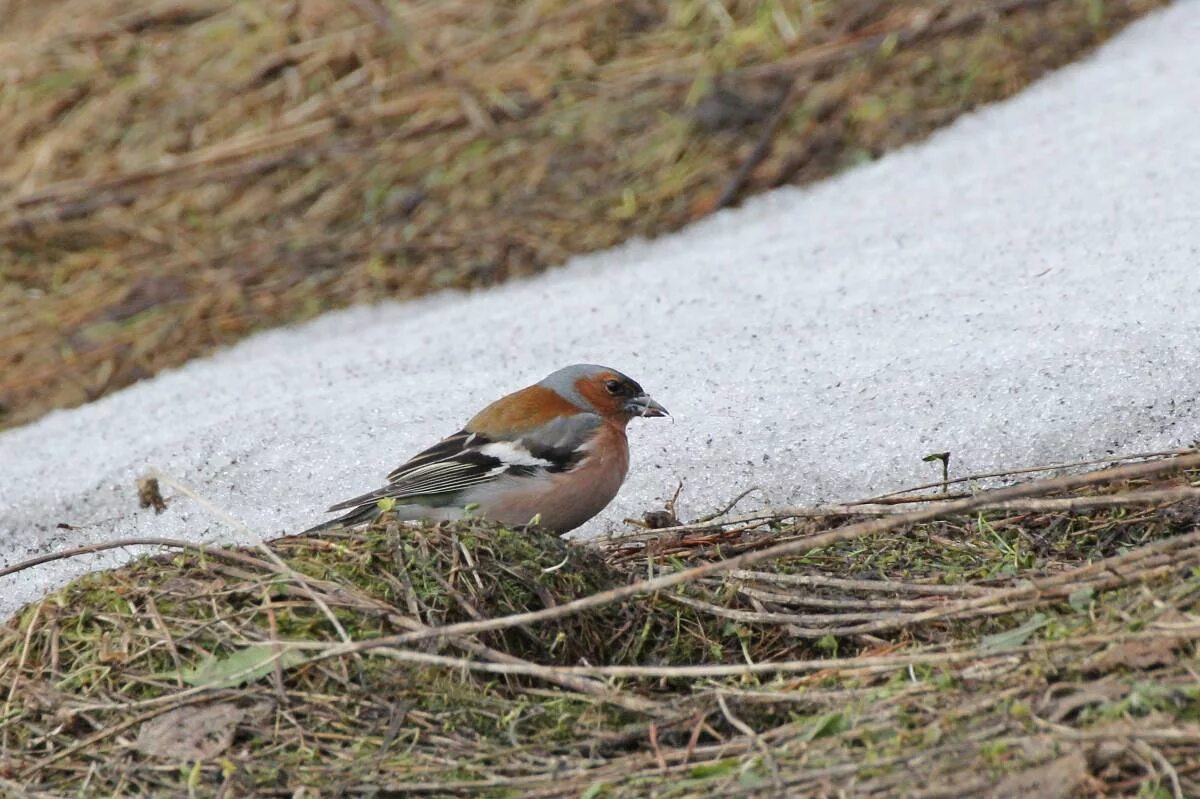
554 454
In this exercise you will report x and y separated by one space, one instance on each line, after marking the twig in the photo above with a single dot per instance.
866 664
1146 750
121 543
728 507
748 731
1025 470
806 600
762 147
881 586
658 755
997 601
278 562
1004 602
797 547
1146 497
793 620
583 685
152 607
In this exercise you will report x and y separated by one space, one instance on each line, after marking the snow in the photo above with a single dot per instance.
1023 288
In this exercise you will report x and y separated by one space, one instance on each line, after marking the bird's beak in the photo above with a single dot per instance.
644 405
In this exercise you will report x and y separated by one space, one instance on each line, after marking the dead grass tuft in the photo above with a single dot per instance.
178 174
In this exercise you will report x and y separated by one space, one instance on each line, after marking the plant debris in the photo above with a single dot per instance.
188 734
150 495
1037 638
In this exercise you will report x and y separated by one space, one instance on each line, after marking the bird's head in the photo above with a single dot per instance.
603 390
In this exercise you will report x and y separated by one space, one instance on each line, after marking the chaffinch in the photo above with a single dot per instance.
555 451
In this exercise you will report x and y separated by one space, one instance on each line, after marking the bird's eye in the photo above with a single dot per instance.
613 386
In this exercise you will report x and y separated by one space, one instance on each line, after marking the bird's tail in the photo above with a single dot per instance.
359 515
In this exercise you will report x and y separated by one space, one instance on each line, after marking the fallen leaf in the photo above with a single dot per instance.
238 668
1057 779
190 733
1010 639
828 724
1081 598
1139 654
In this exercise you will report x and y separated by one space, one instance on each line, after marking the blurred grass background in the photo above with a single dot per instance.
177 175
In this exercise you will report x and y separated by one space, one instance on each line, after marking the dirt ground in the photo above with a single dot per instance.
175 176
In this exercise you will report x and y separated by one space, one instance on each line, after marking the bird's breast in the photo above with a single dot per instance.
567 499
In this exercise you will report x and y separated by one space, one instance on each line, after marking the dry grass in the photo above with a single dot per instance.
1039 639
175 175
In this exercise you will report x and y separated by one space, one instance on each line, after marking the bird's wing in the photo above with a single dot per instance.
470 458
